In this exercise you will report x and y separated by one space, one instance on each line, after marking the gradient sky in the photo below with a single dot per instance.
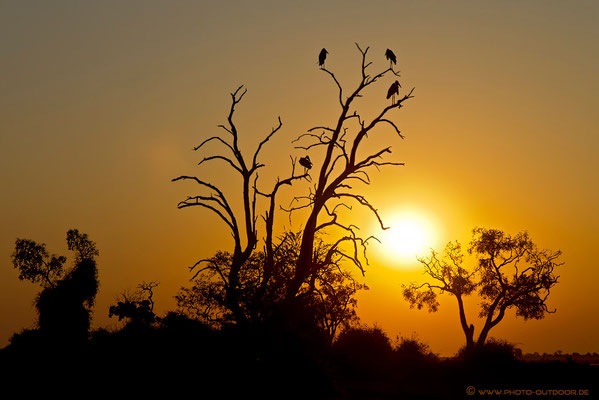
101 103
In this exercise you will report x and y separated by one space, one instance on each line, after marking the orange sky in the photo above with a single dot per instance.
100 104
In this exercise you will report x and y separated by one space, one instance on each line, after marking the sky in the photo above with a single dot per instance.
101 104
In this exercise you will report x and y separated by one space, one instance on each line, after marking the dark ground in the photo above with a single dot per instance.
184 357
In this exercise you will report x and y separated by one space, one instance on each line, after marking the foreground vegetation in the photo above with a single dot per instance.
179 354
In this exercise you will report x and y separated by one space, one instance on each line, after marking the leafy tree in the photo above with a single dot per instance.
329 295
35 264
81 245
65 302
345 162
510 273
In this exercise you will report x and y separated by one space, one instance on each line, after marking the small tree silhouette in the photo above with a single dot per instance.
136 307
35 264
511 273
335 173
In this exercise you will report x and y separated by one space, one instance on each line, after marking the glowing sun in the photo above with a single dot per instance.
410 235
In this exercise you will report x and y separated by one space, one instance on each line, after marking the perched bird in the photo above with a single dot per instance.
305 162
391 57
393 90
322 57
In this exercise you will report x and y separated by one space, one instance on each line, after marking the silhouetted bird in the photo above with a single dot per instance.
305 162
322 57
391 57
393 90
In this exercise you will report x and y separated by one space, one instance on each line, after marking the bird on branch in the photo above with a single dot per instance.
305 162
393 90
322 57
391 57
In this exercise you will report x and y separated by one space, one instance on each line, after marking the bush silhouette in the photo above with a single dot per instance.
411 350
494 351
64 310
364 350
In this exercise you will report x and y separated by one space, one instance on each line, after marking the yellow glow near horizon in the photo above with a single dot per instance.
411 234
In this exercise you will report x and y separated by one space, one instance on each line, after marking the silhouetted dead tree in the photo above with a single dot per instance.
511 273
244 233
341 166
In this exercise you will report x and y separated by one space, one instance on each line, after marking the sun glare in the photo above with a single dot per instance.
410 235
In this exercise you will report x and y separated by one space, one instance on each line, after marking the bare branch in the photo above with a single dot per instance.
197 202
218 138
362 200
273 131
338 85
221 158
394 127
210 186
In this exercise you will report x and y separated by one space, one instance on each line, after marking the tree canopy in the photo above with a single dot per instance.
510 272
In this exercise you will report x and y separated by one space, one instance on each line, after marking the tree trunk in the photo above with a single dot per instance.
468 329
304 260
232 296
482 338
490 323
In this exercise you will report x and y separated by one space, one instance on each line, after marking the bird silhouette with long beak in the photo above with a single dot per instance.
391 57
393 90
305 162
322 57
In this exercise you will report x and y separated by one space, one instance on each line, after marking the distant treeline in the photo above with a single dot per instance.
588 358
